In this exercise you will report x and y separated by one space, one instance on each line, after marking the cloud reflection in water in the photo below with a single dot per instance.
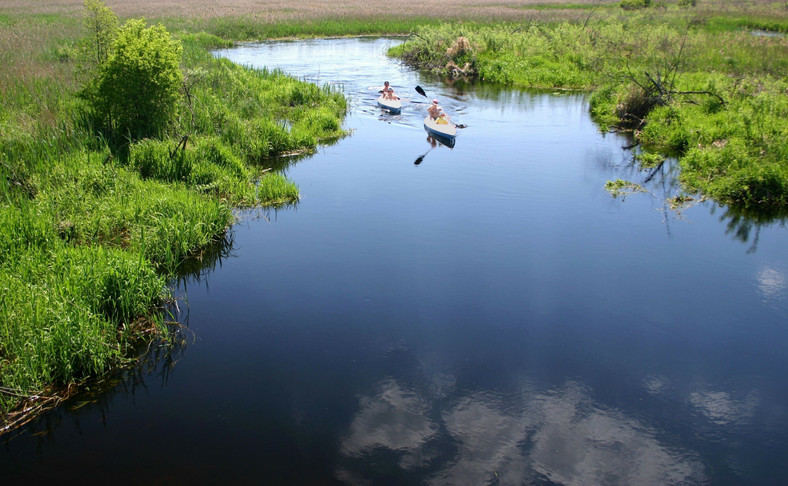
559 435
393 418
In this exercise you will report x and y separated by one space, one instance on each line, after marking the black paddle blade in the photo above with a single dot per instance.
421 91
418 161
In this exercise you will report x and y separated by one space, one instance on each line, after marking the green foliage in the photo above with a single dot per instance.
737 23
679 84
159 159
634 4
621 188
101 25
727 174
277 190
649 159
61 313
251 28
89 235
737 152
139 85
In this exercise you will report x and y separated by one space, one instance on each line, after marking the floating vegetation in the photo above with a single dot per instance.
621 188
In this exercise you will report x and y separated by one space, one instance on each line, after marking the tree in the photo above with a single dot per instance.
101 24
138 86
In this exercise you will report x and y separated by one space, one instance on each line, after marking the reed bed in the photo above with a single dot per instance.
284 10
89 234
707 90
91 231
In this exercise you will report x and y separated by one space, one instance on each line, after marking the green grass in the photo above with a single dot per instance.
738 23
91 230
569 6
249 28
721 107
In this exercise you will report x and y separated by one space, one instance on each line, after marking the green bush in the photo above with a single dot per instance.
634 4
139 85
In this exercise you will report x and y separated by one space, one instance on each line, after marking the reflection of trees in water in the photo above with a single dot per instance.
745 224
662 182
560 435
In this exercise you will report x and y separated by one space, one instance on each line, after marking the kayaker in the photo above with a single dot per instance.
385 88
436 112
434 109
389 94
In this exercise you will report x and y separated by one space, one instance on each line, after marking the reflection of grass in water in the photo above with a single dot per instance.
151 356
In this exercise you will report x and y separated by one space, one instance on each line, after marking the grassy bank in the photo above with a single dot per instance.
694 85
93 225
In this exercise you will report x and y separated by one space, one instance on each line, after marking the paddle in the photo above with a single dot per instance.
420 91
421 157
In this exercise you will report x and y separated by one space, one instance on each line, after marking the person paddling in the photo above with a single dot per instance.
436 112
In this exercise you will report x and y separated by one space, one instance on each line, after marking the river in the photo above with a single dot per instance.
479 314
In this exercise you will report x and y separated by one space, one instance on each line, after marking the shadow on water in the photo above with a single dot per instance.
434 143
745 224
206 261
154 362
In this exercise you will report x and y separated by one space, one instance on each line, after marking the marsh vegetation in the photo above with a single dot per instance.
699 86
123 151
99 210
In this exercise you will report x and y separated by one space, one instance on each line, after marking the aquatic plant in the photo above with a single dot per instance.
621 188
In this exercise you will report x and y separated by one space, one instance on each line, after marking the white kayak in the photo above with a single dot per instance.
443 131
393 106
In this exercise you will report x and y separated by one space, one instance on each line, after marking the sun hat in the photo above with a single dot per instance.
435 101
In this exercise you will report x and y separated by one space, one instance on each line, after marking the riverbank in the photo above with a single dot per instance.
707 88
95 224
91 234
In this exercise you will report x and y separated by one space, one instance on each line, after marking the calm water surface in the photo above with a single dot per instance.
490 315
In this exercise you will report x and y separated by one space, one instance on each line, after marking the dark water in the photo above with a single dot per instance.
489 316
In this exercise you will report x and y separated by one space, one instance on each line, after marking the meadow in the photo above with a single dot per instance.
93 227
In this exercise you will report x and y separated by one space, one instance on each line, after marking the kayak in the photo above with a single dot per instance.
393 106
445 132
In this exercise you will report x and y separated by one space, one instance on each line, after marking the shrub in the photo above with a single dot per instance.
101 25
634 4
138 87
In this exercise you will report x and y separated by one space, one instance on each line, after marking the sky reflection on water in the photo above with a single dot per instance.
488 316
